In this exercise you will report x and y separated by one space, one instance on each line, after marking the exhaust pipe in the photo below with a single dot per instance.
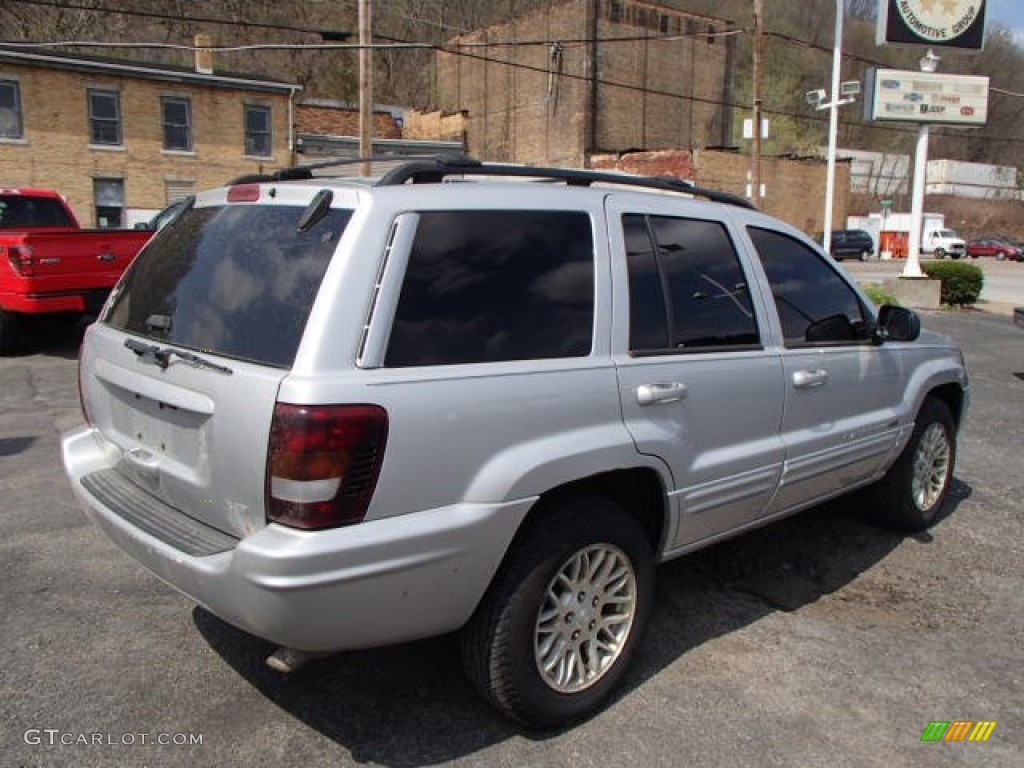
286 660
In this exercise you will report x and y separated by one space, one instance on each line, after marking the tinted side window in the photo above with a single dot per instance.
815 304
486 286
687 289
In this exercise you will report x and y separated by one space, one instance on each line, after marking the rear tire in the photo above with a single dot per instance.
914 490
559 623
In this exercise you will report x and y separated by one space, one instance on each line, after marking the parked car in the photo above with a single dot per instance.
48 263
343 413
850 243
994 247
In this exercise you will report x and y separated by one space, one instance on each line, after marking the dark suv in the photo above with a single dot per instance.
848 243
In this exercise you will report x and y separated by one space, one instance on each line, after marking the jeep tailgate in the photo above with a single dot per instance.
181 374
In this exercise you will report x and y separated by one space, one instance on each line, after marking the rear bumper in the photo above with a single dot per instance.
90 301
376 583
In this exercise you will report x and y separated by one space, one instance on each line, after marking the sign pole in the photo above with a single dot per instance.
913 265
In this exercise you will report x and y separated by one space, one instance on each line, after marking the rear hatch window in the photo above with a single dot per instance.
233 280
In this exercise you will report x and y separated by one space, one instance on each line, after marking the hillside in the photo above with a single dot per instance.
797 56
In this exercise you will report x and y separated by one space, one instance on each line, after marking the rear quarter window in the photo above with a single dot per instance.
489 286
236 280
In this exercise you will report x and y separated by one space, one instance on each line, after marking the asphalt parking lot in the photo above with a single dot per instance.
817 640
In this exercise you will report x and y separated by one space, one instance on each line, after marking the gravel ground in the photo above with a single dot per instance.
815 641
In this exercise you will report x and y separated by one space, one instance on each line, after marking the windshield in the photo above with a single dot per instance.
236 280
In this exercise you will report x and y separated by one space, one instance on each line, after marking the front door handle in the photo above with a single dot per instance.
106 257
808 379
661 392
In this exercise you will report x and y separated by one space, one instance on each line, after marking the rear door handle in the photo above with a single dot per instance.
808 379
661 392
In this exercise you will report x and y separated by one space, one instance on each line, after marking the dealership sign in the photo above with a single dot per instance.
896 95
935 23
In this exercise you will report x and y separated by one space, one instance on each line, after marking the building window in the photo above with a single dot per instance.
177 118
10 110
108 195
257 131
104 117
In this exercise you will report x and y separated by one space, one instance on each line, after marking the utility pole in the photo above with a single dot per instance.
365 85
755 157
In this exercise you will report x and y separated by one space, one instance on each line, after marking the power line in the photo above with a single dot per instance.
457 49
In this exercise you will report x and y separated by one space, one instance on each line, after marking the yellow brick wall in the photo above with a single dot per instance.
56 153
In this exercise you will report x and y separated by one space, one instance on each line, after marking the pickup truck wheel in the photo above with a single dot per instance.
940 253
914 490
557 627
9 322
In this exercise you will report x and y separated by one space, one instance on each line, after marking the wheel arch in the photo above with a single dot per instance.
953 396
639 491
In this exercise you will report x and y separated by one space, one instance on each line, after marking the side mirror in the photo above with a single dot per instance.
897 324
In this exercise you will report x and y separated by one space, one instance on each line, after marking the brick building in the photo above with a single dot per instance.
617 75
122 139
791 182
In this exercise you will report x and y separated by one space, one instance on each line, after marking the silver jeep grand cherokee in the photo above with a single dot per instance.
343 414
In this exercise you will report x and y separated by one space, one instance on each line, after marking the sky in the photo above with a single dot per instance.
1009 13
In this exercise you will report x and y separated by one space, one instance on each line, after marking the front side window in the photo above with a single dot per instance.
177 123
489 286
687 290
257 131
104 117
11 126
815 305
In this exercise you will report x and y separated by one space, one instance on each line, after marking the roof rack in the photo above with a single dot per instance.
434 169
302 172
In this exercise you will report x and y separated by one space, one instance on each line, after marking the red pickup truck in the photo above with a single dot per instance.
48 263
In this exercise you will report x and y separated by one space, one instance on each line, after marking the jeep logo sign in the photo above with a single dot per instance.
935 23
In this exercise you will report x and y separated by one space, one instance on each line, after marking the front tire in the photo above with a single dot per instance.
913 492
940 253
559 624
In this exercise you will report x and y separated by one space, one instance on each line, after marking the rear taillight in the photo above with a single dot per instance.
323 462
21 260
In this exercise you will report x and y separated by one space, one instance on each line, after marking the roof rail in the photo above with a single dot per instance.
435 169
306 171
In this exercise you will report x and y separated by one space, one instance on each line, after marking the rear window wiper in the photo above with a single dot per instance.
151 353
